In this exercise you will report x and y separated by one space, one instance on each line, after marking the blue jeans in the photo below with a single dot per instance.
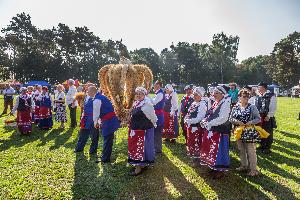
107 147
84 136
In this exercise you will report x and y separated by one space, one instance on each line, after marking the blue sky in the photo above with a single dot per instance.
158 23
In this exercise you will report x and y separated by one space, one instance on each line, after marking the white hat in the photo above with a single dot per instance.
142 90
22 89
71 81
199 90
169 87
220 89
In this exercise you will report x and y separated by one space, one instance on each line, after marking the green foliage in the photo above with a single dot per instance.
43 166
284 65
253 70
147 56
54 54
29 53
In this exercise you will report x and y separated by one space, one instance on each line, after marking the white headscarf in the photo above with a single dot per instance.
220 89
71 81
141 89
22 89
169 87
199 90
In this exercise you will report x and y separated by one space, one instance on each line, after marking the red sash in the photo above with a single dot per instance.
209 148
108 116
159 112
136 144
83 119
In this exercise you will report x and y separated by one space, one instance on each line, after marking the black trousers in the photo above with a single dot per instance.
266 143
73 115
184 131
108 142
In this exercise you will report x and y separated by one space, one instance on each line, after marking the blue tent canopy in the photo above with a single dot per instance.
42 83
274 86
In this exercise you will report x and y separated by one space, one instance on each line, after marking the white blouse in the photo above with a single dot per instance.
174 102
202 109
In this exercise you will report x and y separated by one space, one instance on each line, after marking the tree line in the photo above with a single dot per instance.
30 53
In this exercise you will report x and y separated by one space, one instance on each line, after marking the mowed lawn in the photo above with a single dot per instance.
43 166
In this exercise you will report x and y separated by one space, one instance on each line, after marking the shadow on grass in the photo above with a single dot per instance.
239 182
96 180
291 135
62 138
17 140
287 144
285 150
111 181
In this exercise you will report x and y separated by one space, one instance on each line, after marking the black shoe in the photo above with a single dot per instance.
77 151
167 140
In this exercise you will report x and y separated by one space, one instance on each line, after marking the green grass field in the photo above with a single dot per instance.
43 166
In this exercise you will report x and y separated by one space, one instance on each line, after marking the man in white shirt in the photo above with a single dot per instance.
266 104
158 103
71 102
8 93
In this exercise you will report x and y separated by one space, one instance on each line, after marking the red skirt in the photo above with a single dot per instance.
171 128
24 121
44 112
194 140
36 112
209 147
136 145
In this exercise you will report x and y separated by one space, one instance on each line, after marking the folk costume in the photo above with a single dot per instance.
195 115
104 114
266 105
37 97
24 105
185 104
171 128
214 151
141 132
158 102
87 128
45 111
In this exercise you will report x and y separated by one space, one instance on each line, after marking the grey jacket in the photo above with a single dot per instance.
254 118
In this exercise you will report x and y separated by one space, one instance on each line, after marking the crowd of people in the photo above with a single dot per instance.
207 119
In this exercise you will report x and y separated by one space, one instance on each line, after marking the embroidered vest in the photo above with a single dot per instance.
262 102
160 105
87 115
186 102
24 104
106 105
139 121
